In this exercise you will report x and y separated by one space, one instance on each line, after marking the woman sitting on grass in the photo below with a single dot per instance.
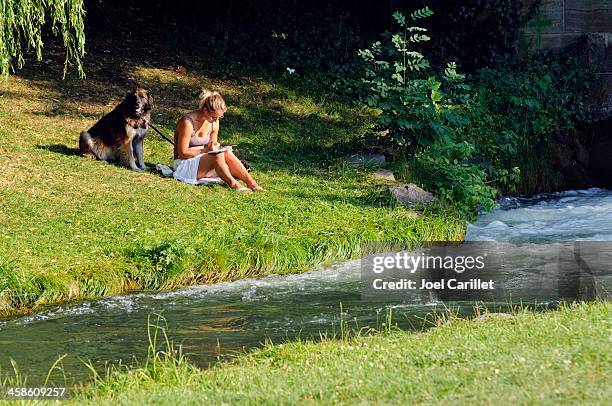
194 139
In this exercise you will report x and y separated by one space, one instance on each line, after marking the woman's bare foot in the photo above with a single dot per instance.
237 187
257 188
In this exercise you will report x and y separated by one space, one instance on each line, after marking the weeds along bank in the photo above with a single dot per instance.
74 228
509 360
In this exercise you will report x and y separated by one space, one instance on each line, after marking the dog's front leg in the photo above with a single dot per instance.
132 160
138 147
127 156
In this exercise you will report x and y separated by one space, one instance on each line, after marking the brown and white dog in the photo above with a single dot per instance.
119 135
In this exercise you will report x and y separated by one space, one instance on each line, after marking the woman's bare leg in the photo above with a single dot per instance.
238 170
211 165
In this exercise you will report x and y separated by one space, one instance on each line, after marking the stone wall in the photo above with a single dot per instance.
586 24
560 24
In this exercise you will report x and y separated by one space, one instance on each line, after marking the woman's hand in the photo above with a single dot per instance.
211 146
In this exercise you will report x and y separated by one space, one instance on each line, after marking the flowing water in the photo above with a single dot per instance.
216 321
564 216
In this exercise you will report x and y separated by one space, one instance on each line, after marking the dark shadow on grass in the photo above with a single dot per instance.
61 109
65 150
59 149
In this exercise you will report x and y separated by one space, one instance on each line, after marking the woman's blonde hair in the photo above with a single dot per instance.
211 101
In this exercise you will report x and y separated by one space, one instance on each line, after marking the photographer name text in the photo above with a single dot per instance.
451 284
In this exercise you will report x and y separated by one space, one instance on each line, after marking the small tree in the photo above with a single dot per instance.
425 115
400 82
21 23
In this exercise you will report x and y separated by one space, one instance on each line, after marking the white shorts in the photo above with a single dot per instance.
186 170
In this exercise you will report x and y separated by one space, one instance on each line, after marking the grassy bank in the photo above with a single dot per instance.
531 358
74 228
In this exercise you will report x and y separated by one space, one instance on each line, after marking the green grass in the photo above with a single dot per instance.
555 357
73 228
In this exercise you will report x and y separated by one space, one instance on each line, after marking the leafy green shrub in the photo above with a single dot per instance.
424 114
516 110
414 111
468 139
451 170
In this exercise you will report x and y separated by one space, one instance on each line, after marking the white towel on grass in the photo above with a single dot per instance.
186 170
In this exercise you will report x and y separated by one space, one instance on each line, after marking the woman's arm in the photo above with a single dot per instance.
184 129
213 143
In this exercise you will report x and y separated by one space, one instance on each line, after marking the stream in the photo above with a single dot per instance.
215 322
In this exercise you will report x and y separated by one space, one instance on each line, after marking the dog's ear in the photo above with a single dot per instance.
149 98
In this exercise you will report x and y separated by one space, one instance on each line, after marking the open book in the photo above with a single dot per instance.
218 151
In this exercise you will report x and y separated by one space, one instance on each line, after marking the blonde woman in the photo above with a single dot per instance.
195 138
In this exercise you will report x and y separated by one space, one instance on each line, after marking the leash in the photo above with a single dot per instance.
157 131
244 162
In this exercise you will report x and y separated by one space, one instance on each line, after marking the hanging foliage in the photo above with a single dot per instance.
21 23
